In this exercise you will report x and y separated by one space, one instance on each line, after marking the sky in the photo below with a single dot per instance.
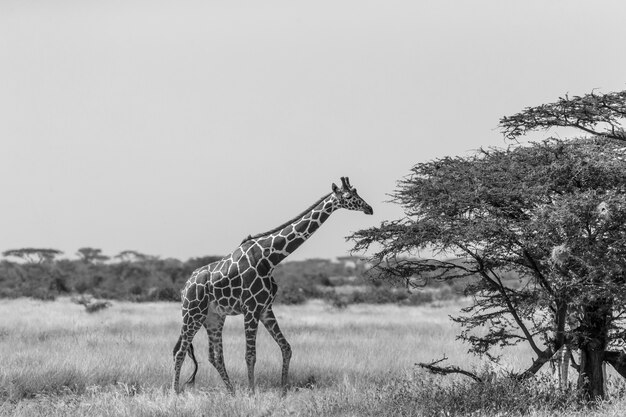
177 128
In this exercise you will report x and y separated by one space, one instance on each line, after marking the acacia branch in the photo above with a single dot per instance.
513 312
481 265
542 358
584 113
537 271
497 284
432 367
606 134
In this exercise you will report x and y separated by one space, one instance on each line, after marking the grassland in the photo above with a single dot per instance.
55 359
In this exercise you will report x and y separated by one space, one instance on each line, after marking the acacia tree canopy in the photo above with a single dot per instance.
30 254
90 255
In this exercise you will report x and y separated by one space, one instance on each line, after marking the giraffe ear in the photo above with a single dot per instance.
335 188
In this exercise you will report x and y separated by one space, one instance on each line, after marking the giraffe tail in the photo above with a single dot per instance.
192 378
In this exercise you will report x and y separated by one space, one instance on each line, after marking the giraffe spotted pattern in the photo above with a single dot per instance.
242 283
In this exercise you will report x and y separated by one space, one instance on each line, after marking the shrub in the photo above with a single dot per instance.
420 297
82 286
43 294
159 294
338 301
290 295
59 284
8 292
136 289
324 280
167 294
496 396
387 295
104 293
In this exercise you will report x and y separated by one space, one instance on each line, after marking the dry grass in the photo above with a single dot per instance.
50 345
58 360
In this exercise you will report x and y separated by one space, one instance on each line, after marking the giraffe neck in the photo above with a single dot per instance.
280 244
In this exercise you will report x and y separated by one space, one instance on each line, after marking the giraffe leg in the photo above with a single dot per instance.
211 351
186 336
214 325
251 324
211 325
271 324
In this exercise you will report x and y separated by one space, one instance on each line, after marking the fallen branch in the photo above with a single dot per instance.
90 304
432 367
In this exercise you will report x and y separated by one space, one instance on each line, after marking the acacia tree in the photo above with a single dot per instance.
600 115
41 264
33 255
551 212
91 255
132 256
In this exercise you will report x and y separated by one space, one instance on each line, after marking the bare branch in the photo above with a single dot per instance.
432 367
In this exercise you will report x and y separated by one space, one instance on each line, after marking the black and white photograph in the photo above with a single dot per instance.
312 208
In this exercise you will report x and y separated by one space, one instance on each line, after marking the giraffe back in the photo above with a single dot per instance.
242 280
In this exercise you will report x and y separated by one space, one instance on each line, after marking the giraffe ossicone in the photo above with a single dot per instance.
242 283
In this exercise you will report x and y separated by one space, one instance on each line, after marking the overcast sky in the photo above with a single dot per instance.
177 128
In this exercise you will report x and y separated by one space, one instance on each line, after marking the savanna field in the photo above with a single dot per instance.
58 360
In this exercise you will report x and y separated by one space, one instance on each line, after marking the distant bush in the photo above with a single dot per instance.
136 289
390 295
166 294
81 286
290 295
8 292
58 284
338 301
43 294
296 288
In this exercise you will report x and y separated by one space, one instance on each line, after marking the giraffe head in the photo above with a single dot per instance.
348 198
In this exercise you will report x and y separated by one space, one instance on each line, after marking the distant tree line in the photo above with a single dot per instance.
130 275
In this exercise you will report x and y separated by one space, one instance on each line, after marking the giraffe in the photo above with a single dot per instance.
242 283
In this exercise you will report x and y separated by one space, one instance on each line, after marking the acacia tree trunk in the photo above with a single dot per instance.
560 347
591 377
592 349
